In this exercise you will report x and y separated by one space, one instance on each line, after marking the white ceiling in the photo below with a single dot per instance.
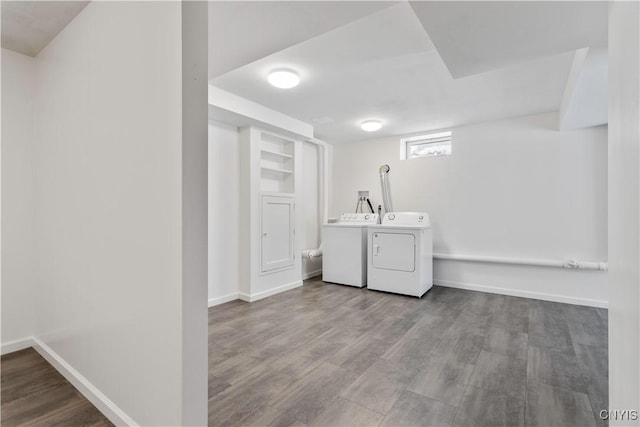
585 101
241 32
385 66
28 26
477 36
414 65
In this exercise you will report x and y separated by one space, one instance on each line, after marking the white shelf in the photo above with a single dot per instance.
276 153
284 171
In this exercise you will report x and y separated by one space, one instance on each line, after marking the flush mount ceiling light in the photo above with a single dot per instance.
284 78
371 125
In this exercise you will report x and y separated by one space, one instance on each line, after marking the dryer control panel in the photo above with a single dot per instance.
406 219
360 218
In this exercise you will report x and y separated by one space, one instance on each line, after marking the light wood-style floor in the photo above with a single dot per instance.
333 355
35 394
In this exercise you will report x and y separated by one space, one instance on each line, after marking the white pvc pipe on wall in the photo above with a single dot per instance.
323 186
569 264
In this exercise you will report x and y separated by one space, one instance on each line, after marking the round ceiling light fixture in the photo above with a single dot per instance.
371 125
284 78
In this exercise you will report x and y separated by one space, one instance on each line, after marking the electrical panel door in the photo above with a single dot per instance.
277 233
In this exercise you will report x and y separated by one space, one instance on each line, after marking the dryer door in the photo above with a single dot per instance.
393 251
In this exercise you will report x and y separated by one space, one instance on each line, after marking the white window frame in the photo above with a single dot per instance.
430 138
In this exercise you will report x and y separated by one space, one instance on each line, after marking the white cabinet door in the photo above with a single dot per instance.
278 220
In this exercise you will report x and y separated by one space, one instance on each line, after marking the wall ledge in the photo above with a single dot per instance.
311 274
223 299
522 293
260 295
83 385
17 345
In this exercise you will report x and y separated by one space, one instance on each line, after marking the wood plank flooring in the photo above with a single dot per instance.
333 355
35 394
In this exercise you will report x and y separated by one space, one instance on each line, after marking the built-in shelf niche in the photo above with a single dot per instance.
276 163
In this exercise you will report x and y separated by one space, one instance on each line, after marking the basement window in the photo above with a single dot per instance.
429 145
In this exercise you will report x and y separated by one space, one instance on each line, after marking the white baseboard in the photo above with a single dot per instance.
310 274
260 295
522 293
88 390
223 299
16 345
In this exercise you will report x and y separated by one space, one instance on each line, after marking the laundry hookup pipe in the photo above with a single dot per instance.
312 253
568 264
386 191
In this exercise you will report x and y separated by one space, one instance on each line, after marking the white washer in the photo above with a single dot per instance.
344 249
400 256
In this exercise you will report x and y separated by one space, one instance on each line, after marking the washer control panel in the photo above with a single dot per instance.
406 218
367 218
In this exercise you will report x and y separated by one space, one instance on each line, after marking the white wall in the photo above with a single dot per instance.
118 216
624 208
224 212
515 188
18 197
310 202
194 323
254 284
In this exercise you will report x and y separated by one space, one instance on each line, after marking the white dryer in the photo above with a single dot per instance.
344 249
400 254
